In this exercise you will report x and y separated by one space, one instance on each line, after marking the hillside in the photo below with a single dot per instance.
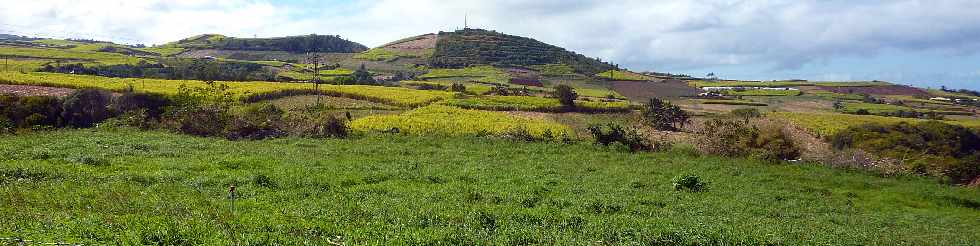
293 44
467 47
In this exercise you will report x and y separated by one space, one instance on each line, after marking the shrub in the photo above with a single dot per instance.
331 127
458 87
930 148
153 105
616 134
664 116
38 111
690 183
745 114
731 138
566 95
84 108
201 121
432 87
257 121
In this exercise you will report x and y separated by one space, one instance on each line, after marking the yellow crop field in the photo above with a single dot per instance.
527 103
444 120
826 124
388 95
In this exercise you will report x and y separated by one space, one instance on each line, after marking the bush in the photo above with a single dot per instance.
85 108
458 87
664 116
930 148
566 95
331 127
153 105
745 114
616 134
28 112
731 138
690 183
201 121
257 121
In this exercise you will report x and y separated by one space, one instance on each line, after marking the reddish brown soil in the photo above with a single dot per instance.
639 91
30 90
420 43
877 90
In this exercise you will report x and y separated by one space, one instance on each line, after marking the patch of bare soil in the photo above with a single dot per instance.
640 91
30 90
423 42
876 90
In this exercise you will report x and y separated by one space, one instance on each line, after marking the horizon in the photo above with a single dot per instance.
919 43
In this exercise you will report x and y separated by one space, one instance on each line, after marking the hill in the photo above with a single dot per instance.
293 44
468 47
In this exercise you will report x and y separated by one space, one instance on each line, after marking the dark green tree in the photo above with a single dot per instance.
566 95
663 115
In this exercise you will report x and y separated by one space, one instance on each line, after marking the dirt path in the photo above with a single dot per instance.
31 90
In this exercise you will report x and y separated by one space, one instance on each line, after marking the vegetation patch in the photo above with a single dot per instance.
826 124
452 121
487 74
623 75
248 91
445 190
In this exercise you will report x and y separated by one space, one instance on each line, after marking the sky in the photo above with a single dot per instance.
927 43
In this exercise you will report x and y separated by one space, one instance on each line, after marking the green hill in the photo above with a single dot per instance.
475 46
294 44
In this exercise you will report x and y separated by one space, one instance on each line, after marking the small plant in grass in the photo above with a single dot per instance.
690 182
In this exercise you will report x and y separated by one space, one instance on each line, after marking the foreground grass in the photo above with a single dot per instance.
128 187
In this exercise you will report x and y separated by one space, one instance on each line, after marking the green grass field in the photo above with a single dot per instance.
152 188
105 58
486 74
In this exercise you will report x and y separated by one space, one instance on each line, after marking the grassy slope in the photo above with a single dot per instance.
143 187
826 124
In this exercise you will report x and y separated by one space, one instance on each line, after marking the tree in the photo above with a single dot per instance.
362 76
665 116
566 95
